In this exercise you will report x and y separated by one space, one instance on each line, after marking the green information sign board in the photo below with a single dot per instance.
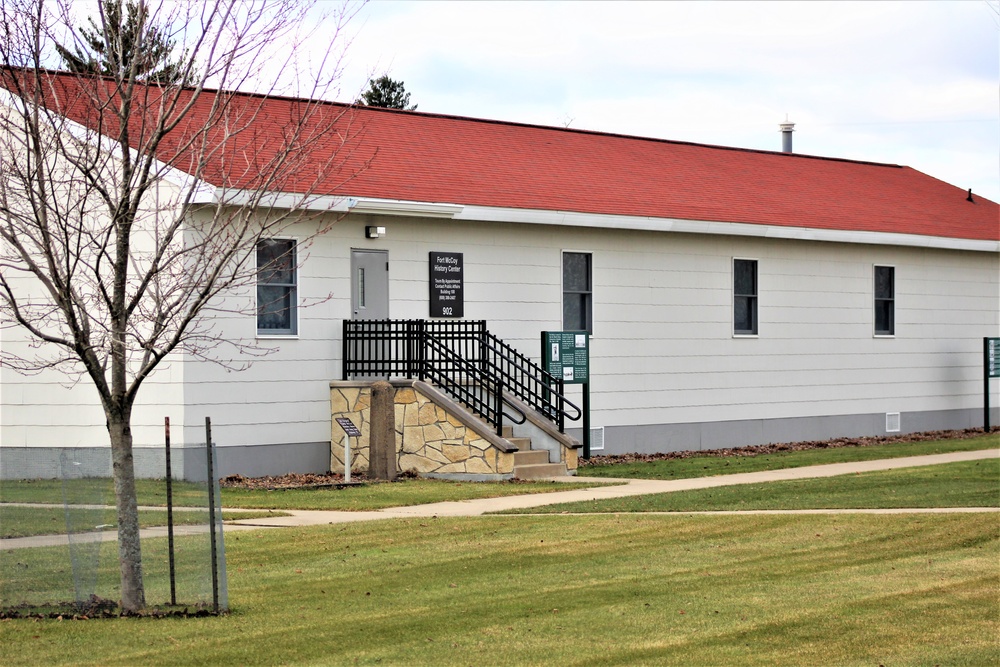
991 369
566 355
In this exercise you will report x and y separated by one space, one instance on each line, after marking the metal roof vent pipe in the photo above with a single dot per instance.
786 135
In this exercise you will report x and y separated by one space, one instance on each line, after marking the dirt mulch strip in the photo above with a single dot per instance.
302 481
758 450
336 480
290 481
96 608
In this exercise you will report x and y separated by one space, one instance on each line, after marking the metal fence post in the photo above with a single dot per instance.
343 350
211 513
422 347
170 513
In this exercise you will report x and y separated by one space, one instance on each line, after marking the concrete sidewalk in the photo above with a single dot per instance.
619 489
611 489
100 536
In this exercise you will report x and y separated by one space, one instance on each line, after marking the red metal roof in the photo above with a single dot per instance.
424 157
404 155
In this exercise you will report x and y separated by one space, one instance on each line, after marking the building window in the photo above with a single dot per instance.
276 289
745 296
577 292
885 301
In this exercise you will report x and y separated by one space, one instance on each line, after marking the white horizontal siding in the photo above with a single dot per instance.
45 410
283 396
663 350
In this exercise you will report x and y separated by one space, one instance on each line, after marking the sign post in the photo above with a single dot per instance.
350 430
566 355
991 369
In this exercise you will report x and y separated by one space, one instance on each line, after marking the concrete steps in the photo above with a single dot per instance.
532 463
540 471
530 457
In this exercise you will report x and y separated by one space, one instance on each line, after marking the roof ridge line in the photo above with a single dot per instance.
619 135
493 121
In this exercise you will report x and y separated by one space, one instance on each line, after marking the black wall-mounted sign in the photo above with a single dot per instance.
447 283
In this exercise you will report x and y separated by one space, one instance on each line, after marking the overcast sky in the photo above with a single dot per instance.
912 83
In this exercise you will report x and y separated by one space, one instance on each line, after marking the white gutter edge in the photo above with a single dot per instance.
283 200
335 204
604 221
395 207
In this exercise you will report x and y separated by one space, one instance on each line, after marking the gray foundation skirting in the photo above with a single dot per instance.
657 438
187 463
257 460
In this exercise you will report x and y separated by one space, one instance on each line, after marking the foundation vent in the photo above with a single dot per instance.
597 438
892 422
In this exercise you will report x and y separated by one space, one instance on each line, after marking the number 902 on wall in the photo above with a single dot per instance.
447 284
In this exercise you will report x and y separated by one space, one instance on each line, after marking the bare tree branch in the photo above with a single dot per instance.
131 209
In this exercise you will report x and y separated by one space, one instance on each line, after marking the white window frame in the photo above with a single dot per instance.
590 292
875 301
293 331
755 296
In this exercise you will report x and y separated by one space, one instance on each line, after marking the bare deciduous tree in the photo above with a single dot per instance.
129 208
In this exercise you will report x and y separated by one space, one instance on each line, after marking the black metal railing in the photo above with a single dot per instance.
467 381
525 379
464 359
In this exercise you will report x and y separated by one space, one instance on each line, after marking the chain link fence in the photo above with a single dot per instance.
58 537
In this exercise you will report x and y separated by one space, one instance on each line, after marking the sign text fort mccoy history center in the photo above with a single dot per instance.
447 284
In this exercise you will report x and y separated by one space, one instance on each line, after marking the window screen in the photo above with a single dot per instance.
577 292
745 296
276 286
885 300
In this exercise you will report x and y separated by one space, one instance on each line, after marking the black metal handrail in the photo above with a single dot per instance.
466 381
530 382
463 358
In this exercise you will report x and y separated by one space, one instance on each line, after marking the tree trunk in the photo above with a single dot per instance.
129 551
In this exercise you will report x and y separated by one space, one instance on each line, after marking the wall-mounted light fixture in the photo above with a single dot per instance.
372 232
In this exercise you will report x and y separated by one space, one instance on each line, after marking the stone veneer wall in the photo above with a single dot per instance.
429 440
571 457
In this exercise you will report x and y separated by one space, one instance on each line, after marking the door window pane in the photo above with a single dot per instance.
361 287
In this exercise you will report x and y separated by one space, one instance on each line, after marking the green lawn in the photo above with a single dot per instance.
89 490
421 491
962 484
376 496
623 589
371 496
46 578
568 590
706 465
19 521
